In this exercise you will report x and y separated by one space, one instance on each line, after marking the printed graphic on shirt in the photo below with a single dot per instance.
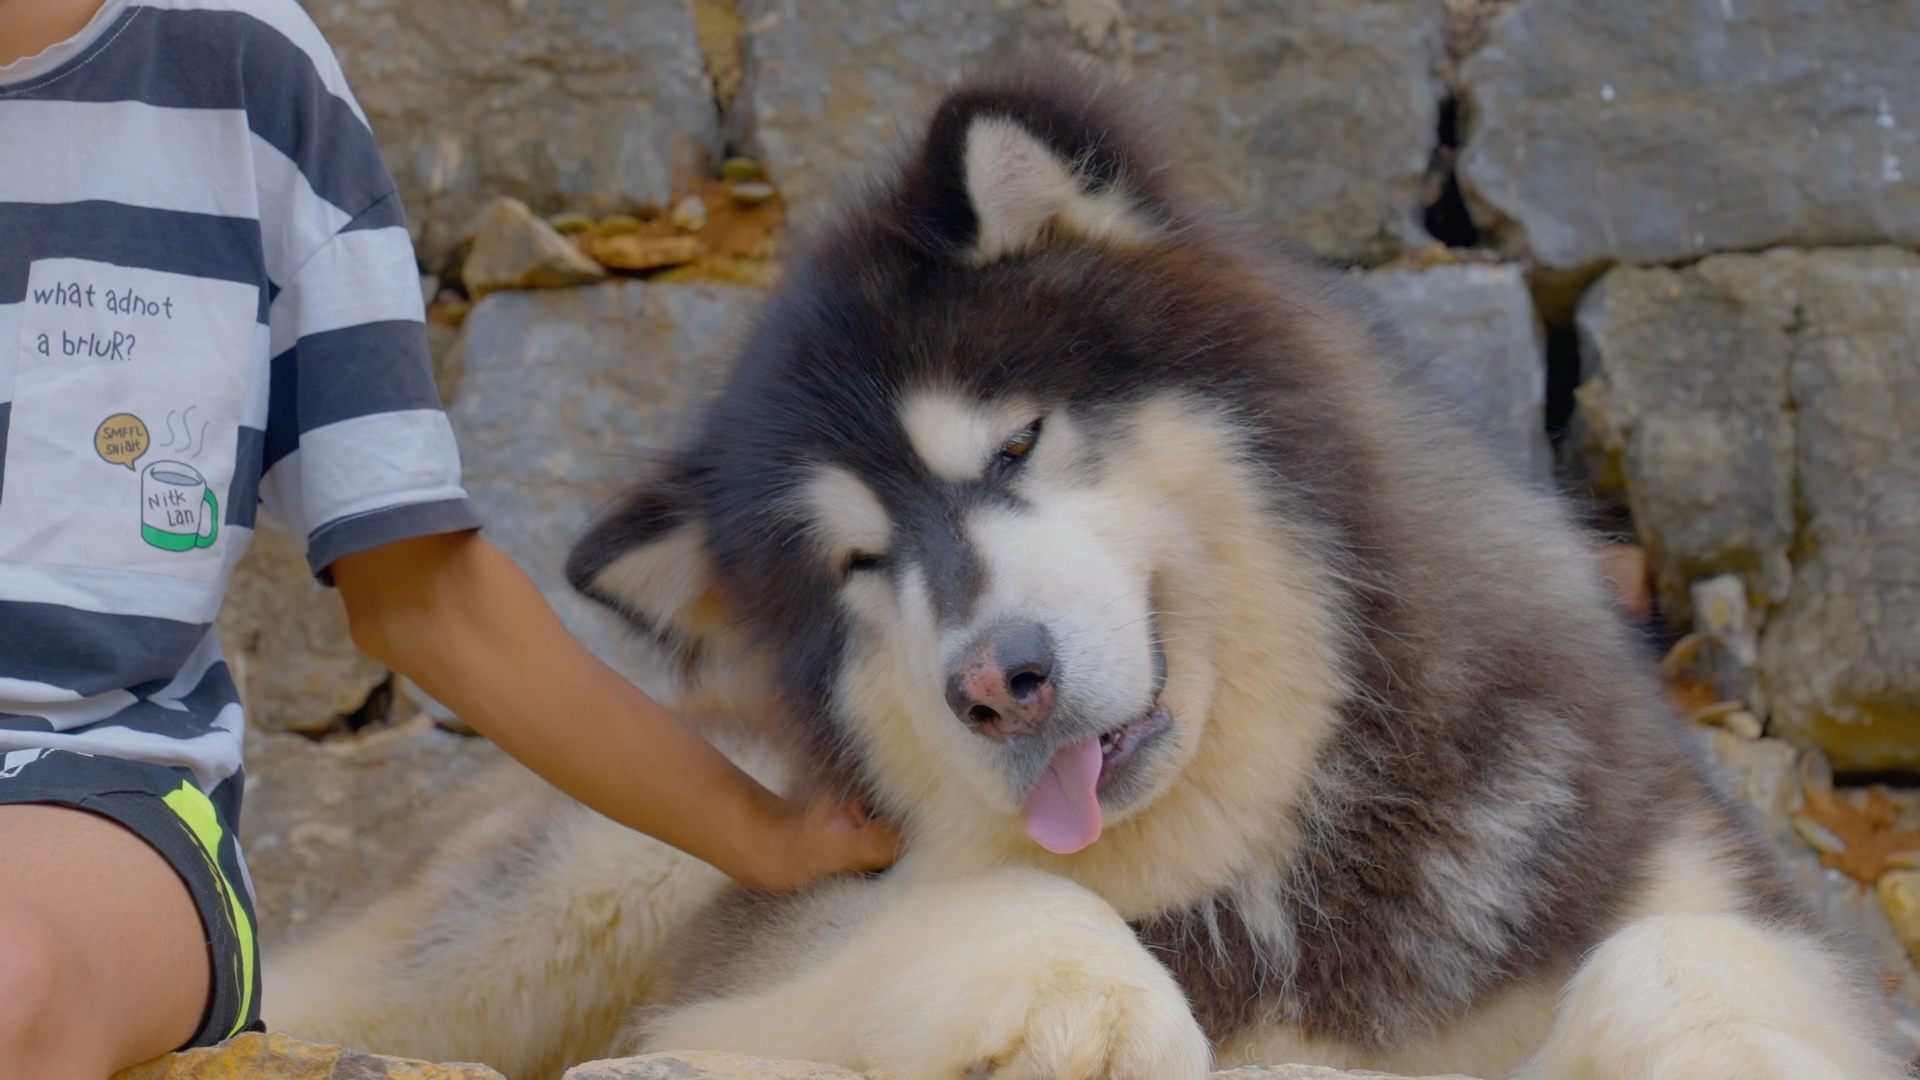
128 392
177 511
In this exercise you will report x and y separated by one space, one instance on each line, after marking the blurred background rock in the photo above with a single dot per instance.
1660 251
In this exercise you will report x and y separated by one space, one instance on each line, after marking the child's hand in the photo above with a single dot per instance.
807 842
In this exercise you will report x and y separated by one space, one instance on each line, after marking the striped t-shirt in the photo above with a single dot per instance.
208 300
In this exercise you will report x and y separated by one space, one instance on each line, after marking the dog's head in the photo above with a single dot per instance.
991 493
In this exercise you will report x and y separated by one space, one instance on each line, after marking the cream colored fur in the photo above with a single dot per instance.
1712 997
956 437
1245 619
1022 191
1015 972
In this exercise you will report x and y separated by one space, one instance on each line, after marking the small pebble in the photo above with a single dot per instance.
689 214
617 225
1744 724
751 193
570 221
739 168
632 252
1715 714
1818 836
1816 773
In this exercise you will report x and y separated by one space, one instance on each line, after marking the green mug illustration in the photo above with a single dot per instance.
177 511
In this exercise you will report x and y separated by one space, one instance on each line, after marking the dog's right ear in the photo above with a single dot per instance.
1012 164
647 560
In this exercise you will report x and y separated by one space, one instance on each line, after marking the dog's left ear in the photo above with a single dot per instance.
647 560
1010 167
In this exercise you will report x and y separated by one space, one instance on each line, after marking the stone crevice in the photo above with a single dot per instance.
719 28
1444 209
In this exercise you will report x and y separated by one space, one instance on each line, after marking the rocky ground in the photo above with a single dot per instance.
1662 253
252 1056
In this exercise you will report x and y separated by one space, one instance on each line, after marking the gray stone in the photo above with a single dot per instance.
1473 336
566 104
1757 412
564 394
1316 115
333 820
1310 1073
287 642
1684 411
706 1066
1667 129
1840 662
709 1066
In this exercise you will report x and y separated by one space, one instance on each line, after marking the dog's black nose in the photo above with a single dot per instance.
1004 685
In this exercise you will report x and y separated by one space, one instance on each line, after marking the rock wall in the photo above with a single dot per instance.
1758 412
1663 130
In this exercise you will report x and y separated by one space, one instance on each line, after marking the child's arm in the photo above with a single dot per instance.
454 614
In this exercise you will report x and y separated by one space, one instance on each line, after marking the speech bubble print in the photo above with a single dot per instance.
121 439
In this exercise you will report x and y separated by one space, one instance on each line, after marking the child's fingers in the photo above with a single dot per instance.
868 842
880 845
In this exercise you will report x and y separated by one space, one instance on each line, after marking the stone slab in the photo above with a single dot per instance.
593 105
287 641
280 1057
1318 116
564 394
1472 335
1669 129
710 1066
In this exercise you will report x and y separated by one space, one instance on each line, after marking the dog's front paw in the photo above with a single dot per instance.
1063 991
1072 1019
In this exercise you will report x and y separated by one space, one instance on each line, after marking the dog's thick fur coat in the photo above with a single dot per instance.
1384 780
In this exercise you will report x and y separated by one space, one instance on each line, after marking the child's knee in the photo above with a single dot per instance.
41 993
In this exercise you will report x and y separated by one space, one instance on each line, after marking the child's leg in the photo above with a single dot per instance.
103 956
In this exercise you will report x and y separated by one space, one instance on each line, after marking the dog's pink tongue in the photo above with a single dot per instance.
1063 813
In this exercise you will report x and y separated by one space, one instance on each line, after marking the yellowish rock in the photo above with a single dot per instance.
632 251
1900 898
722 270
282 1057
616 224
740 168
513 249
569 222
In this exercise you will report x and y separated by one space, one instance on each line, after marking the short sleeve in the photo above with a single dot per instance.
358 450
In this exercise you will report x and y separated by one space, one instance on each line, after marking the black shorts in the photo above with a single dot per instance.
167 809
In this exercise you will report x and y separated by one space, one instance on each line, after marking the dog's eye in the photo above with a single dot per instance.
859 561
1020 445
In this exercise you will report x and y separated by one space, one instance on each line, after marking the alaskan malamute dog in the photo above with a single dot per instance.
1238 708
